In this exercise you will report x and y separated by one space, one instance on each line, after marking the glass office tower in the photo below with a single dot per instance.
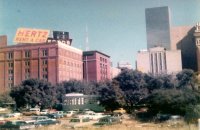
158 27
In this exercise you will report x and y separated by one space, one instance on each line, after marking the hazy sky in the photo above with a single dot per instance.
115 27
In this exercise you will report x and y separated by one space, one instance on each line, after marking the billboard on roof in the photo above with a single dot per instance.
28 35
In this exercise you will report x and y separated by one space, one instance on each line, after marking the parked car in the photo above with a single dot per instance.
3 109
76 110
108 120
56 115
79 123
70 113
10 116
175 120
118 115
85 114
162 117
95 116
16 125
47 122
120 110
32 111
44 112
34 119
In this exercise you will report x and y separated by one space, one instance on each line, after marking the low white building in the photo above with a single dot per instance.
80 101
158 60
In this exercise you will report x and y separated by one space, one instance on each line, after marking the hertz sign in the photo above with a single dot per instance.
26 35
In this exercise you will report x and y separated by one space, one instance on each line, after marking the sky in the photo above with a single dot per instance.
115 27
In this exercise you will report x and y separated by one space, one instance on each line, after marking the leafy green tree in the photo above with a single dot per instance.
5 98
192 113
186 79
111 96
133 85
171 101
34 92
158 82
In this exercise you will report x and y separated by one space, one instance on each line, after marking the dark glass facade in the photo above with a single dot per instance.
158 27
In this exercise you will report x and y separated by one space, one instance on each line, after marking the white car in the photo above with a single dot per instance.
79 123
44 112
70 113
92 115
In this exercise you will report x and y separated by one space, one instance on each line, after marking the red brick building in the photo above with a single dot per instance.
54 61
96 66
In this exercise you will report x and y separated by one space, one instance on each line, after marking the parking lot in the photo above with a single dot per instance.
86 120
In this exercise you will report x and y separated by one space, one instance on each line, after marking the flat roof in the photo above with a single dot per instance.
94 51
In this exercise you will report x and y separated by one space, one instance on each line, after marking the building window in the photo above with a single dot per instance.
27 63
27 54
100 65
44 62
10 55
45 76
10 71
100 58
45 52
10 78
10 64
10 85
27 76
44 69
27 70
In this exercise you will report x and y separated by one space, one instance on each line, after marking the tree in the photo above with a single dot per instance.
133 85
34 92
5 98
171 101
158 82
192 113
111 96
186 79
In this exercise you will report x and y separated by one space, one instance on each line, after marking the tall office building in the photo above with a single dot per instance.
158 27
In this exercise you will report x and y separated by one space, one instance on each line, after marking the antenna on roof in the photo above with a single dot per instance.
86 39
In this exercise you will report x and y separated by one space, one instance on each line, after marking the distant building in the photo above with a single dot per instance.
197 42
158 60
158 27
124 65
115 72
81 102
54 61
96 66
182 38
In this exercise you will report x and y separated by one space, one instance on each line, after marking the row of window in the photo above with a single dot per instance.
71 64
27 54
103 66
103 59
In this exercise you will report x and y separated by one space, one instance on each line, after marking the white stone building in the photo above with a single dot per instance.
158 60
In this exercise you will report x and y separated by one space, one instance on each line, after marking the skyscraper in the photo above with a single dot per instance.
158 27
